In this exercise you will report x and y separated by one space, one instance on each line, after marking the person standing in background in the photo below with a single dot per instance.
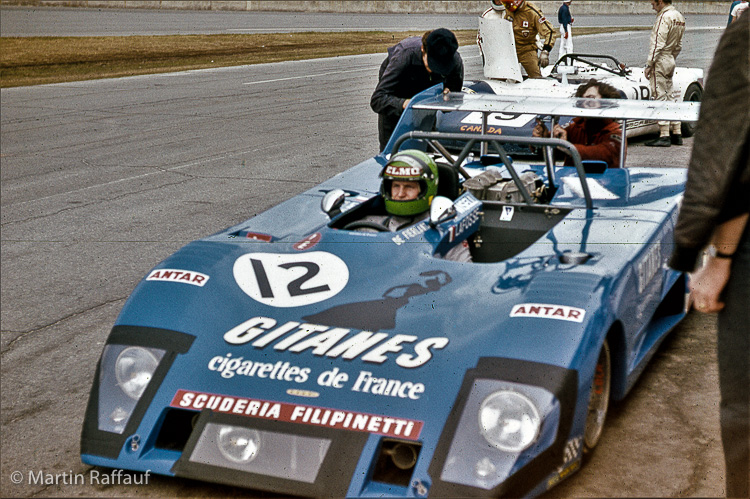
528 22
412 65
665 45
715 211
566 28
497 45
738 10
731 8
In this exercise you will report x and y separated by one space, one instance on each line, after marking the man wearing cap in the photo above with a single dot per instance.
566 28
665 45
413 65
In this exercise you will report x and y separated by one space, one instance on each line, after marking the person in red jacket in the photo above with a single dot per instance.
594 138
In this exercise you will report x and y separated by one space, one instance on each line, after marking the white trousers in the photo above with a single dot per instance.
566 44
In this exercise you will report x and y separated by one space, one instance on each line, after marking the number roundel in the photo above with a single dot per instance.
290 280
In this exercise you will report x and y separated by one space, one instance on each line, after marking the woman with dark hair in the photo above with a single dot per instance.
605 90
594 138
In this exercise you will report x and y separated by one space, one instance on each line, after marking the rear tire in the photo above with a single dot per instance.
694 93
598 401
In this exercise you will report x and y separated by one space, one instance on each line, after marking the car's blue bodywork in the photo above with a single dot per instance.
366 356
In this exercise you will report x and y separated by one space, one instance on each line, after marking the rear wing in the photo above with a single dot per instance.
486 104
618 109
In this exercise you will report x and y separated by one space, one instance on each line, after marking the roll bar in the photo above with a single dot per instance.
496 141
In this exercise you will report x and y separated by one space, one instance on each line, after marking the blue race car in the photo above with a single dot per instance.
293 354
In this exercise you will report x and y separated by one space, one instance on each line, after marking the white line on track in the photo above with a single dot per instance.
371 68
160 171
310 76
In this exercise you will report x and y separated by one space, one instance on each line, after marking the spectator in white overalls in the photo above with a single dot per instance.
665 45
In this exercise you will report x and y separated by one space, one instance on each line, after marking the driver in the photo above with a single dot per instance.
594 138
410 180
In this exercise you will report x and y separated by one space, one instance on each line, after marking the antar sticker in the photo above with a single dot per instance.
294 413
545 311
175 275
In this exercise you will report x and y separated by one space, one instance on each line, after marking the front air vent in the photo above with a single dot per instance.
176 429
396 461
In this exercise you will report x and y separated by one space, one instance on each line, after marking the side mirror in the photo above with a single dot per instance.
442 209
332 202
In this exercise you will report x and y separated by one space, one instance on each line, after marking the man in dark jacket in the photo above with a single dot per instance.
413 65
715 212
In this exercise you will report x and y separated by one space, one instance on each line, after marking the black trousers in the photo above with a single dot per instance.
386 125
734 373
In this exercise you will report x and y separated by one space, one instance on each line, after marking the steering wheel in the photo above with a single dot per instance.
366 224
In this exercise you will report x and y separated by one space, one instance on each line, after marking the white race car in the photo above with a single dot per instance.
503 77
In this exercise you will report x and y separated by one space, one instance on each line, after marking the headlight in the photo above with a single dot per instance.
125 374
258 451
133 370
509 421
502 427
238 444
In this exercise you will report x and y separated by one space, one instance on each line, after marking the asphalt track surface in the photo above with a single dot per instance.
101 180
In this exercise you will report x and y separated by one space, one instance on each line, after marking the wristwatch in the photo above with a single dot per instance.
715 253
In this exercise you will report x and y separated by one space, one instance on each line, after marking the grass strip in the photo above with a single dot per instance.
39 60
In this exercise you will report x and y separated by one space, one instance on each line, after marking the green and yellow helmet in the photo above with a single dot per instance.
413 165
